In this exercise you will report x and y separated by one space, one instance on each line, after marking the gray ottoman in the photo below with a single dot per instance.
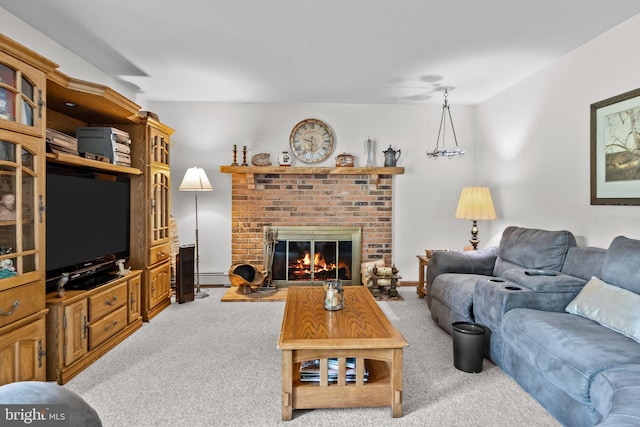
77 411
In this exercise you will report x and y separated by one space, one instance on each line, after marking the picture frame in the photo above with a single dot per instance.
615 150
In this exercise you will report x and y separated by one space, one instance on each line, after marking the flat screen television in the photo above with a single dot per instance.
87 225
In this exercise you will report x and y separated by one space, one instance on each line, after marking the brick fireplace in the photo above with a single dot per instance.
310 199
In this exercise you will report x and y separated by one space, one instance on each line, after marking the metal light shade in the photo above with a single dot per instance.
195 179
442 151
475 204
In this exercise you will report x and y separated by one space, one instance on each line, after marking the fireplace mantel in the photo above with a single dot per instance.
372 171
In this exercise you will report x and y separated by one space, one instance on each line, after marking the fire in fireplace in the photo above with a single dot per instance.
316 260
307 255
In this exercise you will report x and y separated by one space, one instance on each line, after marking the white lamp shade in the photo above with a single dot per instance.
195 179
476 204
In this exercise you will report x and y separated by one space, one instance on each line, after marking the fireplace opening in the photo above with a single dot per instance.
308 255
312 260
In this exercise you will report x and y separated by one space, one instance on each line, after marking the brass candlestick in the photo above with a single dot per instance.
235 155
244 156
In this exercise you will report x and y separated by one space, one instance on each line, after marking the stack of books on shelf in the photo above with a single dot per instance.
310 370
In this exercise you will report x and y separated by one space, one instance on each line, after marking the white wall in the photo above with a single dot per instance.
425 196
533 142
70 64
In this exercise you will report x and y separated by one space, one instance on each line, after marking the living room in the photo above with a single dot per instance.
529 143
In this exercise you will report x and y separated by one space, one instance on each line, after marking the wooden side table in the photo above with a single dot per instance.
422 276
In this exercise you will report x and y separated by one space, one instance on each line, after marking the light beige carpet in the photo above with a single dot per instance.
209 363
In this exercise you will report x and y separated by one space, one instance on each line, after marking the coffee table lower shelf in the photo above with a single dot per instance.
382 388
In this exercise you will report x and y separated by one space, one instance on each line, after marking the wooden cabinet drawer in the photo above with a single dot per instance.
107 301
20 302
105 328
159 253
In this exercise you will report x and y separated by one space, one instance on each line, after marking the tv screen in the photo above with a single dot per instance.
87 219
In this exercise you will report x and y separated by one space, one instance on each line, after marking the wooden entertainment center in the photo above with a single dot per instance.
42 336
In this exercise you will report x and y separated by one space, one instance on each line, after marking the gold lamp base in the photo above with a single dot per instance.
474 235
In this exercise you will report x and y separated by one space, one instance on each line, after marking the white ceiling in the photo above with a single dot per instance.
326 51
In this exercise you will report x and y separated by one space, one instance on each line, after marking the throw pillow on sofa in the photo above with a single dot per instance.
612 307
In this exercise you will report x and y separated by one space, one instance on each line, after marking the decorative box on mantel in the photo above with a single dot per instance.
372 172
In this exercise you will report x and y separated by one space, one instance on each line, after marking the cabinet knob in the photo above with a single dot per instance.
111 301
16 304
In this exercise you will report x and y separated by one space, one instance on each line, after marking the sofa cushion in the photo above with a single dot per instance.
615 393
566 349
612 307
532 248
622 264
584 262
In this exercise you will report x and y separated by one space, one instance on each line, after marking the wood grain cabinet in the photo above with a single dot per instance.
22 350
84 325
58 338
22 198
151 249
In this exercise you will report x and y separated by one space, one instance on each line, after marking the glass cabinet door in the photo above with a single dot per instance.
20 214
159 147
21 99
159 206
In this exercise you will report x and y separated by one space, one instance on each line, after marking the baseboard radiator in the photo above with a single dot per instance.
216 278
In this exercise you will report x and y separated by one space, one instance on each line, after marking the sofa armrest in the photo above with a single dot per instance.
559 283
493 298
615 393
470 262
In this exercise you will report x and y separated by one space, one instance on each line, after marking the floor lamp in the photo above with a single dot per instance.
195 179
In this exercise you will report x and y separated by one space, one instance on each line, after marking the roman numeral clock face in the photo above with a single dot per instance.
311 141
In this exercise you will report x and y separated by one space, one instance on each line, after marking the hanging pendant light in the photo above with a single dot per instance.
441 150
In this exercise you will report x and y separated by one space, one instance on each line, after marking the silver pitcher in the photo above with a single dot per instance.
391 156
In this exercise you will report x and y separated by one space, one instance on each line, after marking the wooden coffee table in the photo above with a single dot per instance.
361 331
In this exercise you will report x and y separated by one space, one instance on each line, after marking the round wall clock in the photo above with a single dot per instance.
311 141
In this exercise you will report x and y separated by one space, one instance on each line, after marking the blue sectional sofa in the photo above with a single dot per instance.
562 320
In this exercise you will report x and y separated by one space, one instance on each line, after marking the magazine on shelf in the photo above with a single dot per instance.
310 370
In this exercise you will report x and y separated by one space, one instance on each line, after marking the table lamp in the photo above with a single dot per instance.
475 204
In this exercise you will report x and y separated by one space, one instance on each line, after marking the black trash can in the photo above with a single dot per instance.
468 346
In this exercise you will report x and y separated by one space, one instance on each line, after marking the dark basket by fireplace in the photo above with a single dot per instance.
245 276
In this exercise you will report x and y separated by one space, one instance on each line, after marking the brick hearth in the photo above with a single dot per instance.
308 199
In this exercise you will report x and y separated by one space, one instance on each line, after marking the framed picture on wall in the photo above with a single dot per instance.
615 150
